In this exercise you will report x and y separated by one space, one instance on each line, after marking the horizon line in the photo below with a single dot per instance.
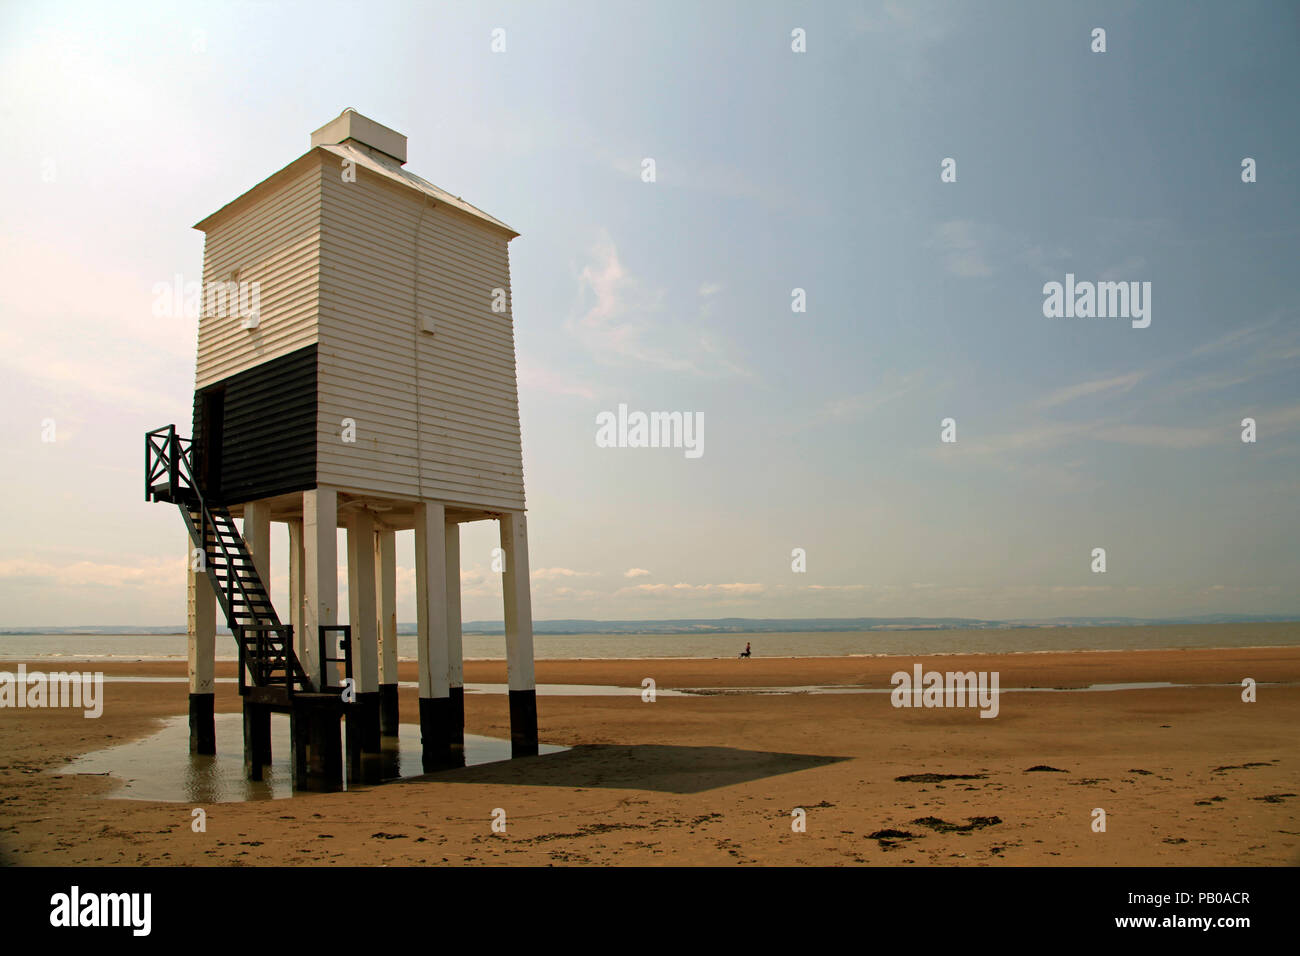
1096 621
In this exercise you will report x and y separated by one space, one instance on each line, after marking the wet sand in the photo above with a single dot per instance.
1187 776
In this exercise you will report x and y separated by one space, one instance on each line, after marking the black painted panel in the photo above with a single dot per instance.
268 431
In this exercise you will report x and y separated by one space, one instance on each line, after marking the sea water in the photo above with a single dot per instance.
912 642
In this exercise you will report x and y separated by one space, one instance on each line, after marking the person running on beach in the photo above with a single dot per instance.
745 652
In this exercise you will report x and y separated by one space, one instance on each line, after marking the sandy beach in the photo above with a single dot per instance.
1186 775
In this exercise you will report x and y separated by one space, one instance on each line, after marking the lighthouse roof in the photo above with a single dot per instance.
373 159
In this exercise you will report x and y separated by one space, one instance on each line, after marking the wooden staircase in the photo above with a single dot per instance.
266 654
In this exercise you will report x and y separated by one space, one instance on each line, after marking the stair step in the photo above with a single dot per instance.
269 654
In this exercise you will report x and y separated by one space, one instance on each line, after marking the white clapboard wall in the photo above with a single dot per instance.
271 236
393 280
410 347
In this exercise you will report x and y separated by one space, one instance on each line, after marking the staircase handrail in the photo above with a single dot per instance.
172 456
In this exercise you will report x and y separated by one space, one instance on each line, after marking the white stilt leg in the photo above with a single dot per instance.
455 653
296 571
362 609
363 724
257 535
320 577
201 627
519 634
386 586
436 719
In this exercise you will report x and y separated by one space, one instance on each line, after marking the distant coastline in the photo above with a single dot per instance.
731 625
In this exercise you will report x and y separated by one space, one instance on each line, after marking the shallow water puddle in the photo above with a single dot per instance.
161 768
571 690
848 689
543 690
609 690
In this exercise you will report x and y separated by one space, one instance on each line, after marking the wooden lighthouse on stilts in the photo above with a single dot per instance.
356 370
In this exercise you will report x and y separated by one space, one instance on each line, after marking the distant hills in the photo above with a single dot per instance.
746 625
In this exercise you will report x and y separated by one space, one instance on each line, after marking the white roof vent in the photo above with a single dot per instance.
351 125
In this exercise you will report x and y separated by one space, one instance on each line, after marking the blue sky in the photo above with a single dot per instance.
775 170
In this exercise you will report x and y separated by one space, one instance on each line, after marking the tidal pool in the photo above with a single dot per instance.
160 767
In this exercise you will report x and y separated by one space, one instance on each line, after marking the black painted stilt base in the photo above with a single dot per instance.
365 754
458 720
388 719
203 726
257 739
523 723
436 734
317 743
390 765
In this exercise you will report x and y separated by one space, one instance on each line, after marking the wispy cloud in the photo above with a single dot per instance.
616 328
861 404
1044 436
1038 436
912 29
683 589
534 376
546 574
575 593
1120 384
1126 270
106 348
1159 436
1280 419
962 245
1048 435
145 575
